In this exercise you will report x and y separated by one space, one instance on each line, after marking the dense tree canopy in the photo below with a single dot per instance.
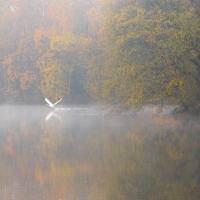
128 53
151 53
42 46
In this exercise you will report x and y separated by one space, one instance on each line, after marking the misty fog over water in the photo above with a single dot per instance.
125 54
82 154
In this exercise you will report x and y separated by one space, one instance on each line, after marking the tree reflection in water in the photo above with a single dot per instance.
139 156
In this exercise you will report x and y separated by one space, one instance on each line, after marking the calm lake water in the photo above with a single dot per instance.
81 154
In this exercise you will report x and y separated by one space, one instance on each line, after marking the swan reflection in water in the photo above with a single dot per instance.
53 114
52 105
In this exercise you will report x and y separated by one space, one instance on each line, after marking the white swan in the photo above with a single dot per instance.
52 104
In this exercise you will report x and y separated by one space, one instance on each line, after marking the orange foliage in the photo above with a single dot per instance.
30 27
38 36
8 60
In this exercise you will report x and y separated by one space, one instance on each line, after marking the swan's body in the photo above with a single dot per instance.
52 104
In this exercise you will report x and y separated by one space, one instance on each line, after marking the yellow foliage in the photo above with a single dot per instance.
53 84
64 42
26 79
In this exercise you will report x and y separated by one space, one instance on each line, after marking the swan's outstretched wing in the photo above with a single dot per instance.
49 102
57 102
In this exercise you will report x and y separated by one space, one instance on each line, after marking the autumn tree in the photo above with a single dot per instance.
150 54
65 42
20 19
73 48
46 48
